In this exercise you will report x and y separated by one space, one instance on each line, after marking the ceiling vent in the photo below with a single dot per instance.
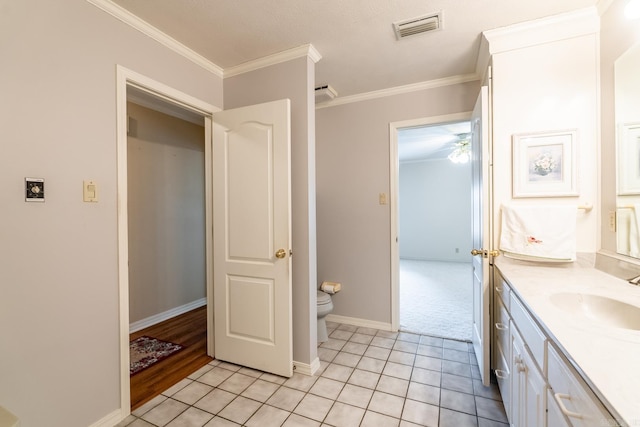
415 26
325 93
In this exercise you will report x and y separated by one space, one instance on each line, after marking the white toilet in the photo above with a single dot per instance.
325 306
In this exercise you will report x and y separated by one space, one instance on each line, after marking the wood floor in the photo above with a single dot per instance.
188 330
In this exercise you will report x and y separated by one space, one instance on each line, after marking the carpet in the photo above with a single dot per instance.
145 351
436 298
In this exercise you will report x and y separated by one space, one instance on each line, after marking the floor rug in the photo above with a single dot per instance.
145 351
436 298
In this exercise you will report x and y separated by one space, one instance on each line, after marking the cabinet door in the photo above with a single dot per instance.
528 386
535 388
554 414
517 385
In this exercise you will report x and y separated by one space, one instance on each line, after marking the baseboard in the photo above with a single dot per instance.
109 420
305 368
161 317
364 323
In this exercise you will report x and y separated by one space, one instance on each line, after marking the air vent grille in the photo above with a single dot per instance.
419 25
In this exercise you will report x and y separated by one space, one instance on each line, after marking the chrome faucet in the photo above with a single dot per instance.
634 280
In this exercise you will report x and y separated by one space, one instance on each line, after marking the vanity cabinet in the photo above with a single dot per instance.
528 386
572 397
539 387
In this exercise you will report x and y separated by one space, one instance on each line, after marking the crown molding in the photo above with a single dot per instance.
144 27
398 90
603 5
297 52
558 27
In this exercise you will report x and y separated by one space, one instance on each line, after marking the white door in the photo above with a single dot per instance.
481 232
252 237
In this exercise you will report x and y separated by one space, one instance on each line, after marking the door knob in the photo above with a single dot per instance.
281 253
485 253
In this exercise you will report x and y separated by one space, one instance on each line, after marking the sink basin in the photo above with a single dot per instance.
603 310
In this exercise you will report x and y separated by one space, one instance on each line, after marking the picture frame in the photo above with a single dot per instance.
545 164
628 161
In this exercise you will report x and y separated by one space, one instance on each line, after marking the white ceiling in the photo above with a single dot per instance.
359 49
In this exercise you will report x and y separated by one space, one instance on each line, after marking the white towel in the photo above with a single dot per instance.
539 233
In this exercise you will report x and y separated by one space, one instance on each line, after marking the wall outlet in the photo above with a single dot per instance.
382 197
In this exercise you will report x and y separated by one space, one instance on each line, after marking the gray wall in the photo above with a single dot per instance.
166 212
59 311
617 35
352 161
435 210
294 80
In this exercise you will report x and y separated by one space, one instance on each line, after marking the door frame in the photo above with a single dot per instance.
394 191
128 78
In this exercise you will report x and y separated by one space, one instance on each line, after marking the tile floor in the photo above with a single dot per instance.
367 378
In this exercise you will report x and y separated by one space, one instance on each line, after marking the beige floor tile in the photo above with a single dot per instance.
260 390
162 414
387 404
342 415
374 419
192 417
314 407
192 393
326 387
215 401
240 410
356 396
267 416
286 398
420 413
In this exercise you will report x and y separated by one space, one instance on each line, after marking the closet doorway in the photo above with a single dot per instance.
166 222
164 254
432 203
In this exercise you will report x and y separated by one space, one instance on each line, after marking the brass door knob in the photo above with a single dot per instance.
486 254
281 253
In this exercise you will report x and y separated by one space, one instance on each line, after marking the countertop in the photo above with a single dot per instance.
608 358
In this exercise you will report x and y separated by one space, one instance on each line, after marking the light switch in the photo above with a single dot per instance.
90 191
612 221
382 198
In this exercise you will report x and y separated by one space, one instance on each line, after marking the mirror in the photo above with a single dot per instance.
627 122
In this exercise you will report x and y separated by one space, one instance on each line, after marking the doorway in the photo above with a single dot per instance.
166 223
157 98
431 199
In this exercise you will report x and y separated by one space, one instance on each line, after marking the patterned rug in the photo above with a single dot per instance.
145 351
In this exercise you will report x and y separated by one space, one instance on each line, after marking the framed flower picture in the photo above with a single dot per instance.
545 164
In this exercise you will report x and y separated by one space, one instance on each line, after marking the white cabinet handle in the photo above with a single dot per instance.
501 374
517 359
499 289
521 367
568 413
501 327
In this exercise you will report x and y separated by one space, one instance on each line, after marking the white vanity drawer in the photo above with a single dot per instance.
573 397
533 337
501 290
501 325
502 375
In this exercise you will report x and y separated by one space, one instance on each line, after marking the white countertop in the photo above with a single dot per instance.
607 357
